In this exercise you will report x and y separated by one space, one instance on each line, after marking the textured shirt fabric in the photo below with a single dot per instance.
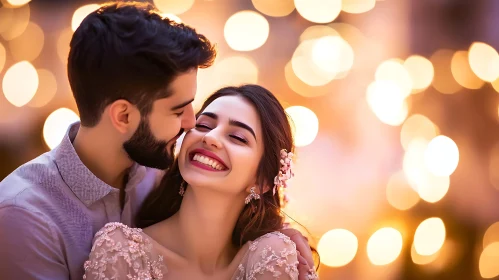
51 208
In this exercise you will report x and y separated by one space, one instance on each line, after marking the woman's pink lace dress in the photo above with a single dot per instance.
120 252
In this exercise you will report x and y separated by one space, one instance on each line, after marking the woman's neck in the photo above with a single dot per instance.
204 226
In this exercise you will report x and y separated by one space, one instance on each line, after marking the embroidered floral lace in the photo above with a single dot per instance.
121 252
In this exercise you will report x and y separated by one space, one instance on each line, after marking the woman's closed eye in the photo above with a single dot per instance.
202 127
240 139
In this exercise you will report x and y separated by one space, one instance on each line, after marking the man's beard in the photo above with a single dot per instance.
146 150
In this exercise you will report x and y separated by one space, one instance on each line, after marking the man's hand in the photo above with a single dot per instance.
305 258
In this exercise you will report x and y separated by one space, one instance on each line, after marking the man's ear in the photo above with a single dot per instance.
123 115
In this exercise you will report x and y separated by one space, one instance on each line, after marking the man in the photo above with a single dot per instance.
133 76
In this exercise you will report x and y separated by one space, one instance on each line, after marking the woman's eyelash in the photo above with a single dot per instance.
202 126
239 139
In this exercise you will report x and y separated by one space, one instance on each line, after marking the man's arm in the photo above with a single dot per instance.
29 247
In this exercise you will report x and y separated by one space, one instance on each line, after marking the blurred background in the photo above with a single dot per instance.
395 105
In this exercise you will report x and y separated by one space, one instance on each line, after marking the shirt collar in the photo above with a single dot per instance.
84 184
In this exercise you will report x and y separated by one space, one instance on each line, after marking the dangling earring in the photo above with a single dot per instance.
252 195
182 188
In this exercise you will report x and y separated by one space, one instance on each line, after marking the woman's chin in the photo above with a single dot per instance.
197 179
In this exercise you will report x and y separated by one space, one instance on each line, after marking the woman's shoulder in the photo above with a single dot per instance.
271 256
275 240
119 231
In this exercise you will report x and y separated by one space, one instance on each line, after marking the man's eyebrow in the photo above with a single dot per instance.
176 107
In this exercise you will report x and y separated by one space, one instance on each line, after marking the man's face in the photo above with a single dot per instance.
153 143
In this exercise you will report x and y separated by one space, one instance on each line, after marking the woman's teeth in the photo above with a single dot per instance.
208 161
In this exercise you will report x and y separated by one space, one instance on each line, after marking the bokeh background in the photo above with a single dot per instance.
395 105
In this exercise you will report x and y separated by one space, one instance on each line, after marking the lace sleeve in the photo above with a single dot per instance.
272 256
120 252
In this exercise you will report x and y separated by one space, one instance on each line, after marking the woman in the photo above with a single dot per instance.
216 213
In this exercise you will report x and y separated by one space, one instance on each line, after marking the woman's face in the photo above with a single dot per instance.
224 149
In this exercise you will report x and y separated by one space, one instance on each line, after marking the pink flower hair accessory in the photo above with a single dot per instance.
285 172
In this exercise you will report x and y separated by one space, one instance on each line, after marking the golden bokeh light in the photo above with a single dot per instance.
304 67
444 81
81 13
491 234
484 61
246 31
274 8
301 87
3 56
18 3
29 45
17 23
422 259
318 11
236 70
462 72
47 88
358 6
337 247
421 72
20 83
413 163
495 85
447 256
384 246
393 70
400 193
333 54
175 7
6 18
387 101
56 125
350 33
489 260
304 124
172 17
417 126
63 44
442 156
317 31
429 187
207 83
331 51
429 236
229 71
432 188
494 166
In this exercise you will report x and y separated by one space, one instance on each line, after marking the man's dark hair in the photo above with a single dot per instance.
127 50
